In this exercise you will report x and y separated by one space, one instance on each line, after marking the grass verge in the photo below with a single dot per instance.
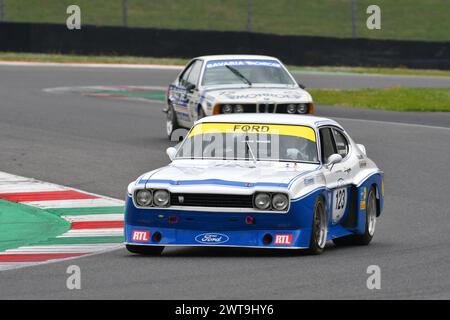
61 58
392 99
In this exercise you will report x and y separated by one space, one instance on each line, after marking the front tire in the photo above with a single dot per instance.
171 121
145 250
371 220
319 228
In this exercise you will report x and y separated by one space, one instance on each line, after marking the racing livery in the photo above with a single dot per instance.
265 181
212 85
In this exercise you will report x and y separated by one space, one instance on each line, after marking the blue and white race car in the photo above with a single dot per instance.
212 85
259 181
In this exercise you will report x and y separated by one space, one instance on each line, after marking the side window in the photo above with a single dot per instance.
194 75
327 144
184 76
341 143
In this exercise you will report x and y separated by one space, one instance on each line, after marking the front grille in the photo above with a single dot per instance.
211 200
266 108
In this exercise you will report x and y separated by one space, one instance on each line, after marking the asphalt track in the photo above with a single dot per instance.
100 145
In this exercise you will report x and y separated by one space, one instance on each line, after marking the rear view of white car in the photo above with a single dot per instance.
226 84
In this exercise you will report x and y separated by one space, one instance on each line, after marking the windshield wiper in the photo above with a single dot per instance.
251 152
239 75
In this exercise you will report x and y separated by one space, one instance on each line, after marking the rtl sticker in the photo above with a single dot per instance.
283 239
140 236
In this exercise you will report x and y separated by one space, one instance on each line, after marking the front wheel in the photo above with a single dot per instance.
319 228
171 121
145 250
371 221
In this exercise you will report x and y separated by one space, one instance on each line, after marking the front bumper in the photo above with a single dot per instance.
281 239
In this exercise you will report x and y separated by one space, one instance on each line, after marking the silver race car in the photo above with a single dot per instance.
213 85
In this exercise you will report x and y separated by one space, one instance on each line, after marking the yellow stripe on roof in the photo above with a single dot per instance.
254 128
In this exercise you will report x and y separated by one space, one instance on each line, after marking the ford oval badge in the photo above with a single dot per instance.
212 238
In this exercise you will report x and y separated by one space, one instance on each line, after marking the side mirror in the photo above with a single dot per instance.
301 85
333 159
171 152
190 87
362 148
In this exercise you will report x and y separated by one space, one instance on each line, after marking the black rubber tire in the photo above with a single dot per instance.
319 214
172 117
145 250
359 239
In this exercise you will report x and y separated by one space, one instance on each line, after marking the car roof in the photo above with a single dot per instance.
236 56
271 118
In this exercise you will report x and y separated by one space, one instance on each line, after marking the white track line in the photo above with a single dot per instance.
62 249
394 123
83 203
27 186
79 233
94 217
91 65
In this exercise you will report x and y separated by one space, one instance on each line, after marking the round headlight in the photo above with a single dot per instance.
302 108
161 198
227 108
291 109
238 109
262 201
280 202
143 198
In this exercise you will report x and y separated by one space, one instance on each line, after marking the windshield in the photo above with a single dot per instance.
253 142
243 71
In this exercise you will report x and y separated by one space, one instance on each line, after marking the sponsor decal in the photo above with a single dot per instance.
212 238
247 128
283 239
362 164
363 195
242 62
140 236
309 181
233 95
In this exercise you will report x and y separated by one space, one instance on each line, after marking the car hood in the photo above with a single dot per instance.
219 175
259 95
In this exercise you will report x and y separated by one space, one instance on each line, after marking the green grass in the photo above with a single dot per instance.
393 99
401 19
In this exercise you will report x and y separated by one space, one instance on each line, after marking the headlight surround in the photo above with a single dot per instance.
161 198
291 109
302 108
144 198
228 108
238 108
280 202
262 201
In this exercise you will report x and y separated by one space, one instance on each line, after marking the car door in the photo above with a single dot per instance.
335 176
179 98
192 90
